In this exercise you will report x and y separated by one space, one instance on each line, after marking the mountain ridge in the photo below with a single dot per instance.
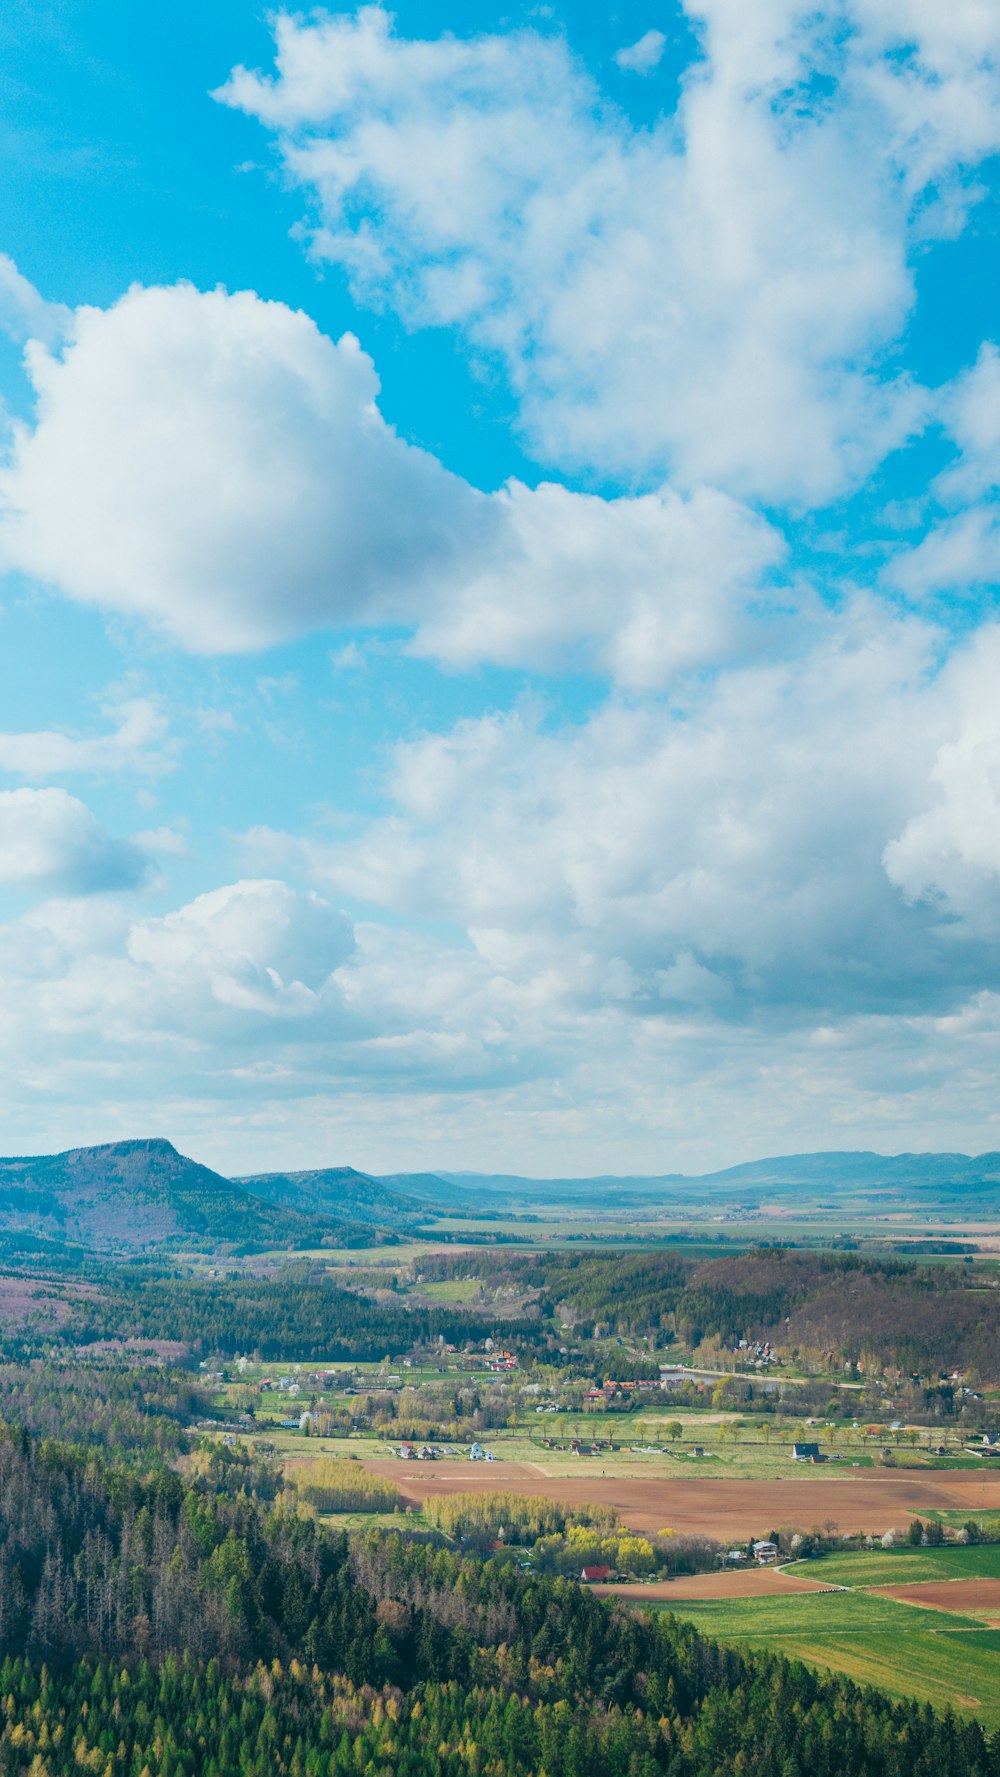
140 1194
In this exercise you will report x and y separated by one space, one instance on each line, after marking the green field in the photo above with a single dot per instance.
940 1658
904 1567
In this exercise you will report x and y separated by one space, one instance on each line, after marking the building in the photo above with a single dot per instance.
765 1552
805 1452
590 1574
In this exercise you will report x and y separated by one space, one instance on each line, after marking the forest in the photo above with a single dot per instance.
167 1626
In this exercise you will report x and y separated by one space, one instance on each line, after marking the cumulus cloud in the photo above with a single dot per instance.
712 298
948 854
255 946
641 588
216 465
50 839
727 853
138 743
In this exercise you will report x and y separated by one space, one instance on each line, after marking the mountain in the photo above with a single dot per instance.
127 1195
948 1179
400 1200
337 1191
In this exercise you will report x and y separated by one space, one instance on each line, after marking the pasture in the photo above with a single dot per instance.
947 1659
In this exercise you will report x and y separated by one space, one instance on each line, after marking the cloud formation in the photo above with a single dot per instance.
139 743
712 299
644 56
802 840
216 465
51 840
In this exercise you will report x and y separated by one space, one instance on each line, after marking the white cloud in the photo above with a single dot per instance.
948 854
644 56
956 556
970 411
51 840
257 946
641 588
216 465
711 299
24 314
960 551
725 851
756 920
138 743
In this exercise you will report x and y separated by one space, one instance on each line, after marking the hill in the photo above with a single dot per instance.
339 1192
128 1195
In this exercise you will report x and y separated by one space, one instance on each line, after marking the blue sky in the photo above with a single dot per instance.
499 531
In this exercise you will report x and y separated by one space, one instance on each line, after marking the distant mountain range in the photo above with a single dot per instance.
131 1196
944 1177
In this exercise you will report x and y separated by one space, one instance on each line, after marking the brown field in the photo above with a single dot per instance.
747 1582
972 1597
862 1499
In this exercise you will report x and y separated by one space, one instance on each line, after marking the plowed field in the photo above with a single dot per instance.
859 1499
977 1598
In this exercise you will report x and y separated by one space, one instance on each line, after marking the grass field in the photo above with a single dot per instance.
903 1567
944 1659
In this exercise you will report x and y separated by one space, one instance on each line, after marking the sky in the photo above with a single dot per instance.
499 536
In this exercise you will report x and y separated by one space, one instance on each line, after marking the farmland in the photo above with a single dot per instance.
953 1661
732 1507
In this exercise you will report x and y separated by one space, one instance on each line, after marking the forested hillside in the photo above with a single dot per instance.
916 1317
152 1625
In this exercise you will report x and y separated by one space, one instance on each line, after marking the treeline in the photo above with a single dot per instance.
310 1654
522 1519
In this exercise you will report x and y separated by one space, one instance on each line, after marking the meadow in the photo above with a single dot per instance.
903 1567
948 1660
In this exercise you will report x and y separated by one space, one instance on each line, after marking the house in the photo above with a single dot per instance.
765 1552
590 1574
736 1555
805 1452
991 1440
